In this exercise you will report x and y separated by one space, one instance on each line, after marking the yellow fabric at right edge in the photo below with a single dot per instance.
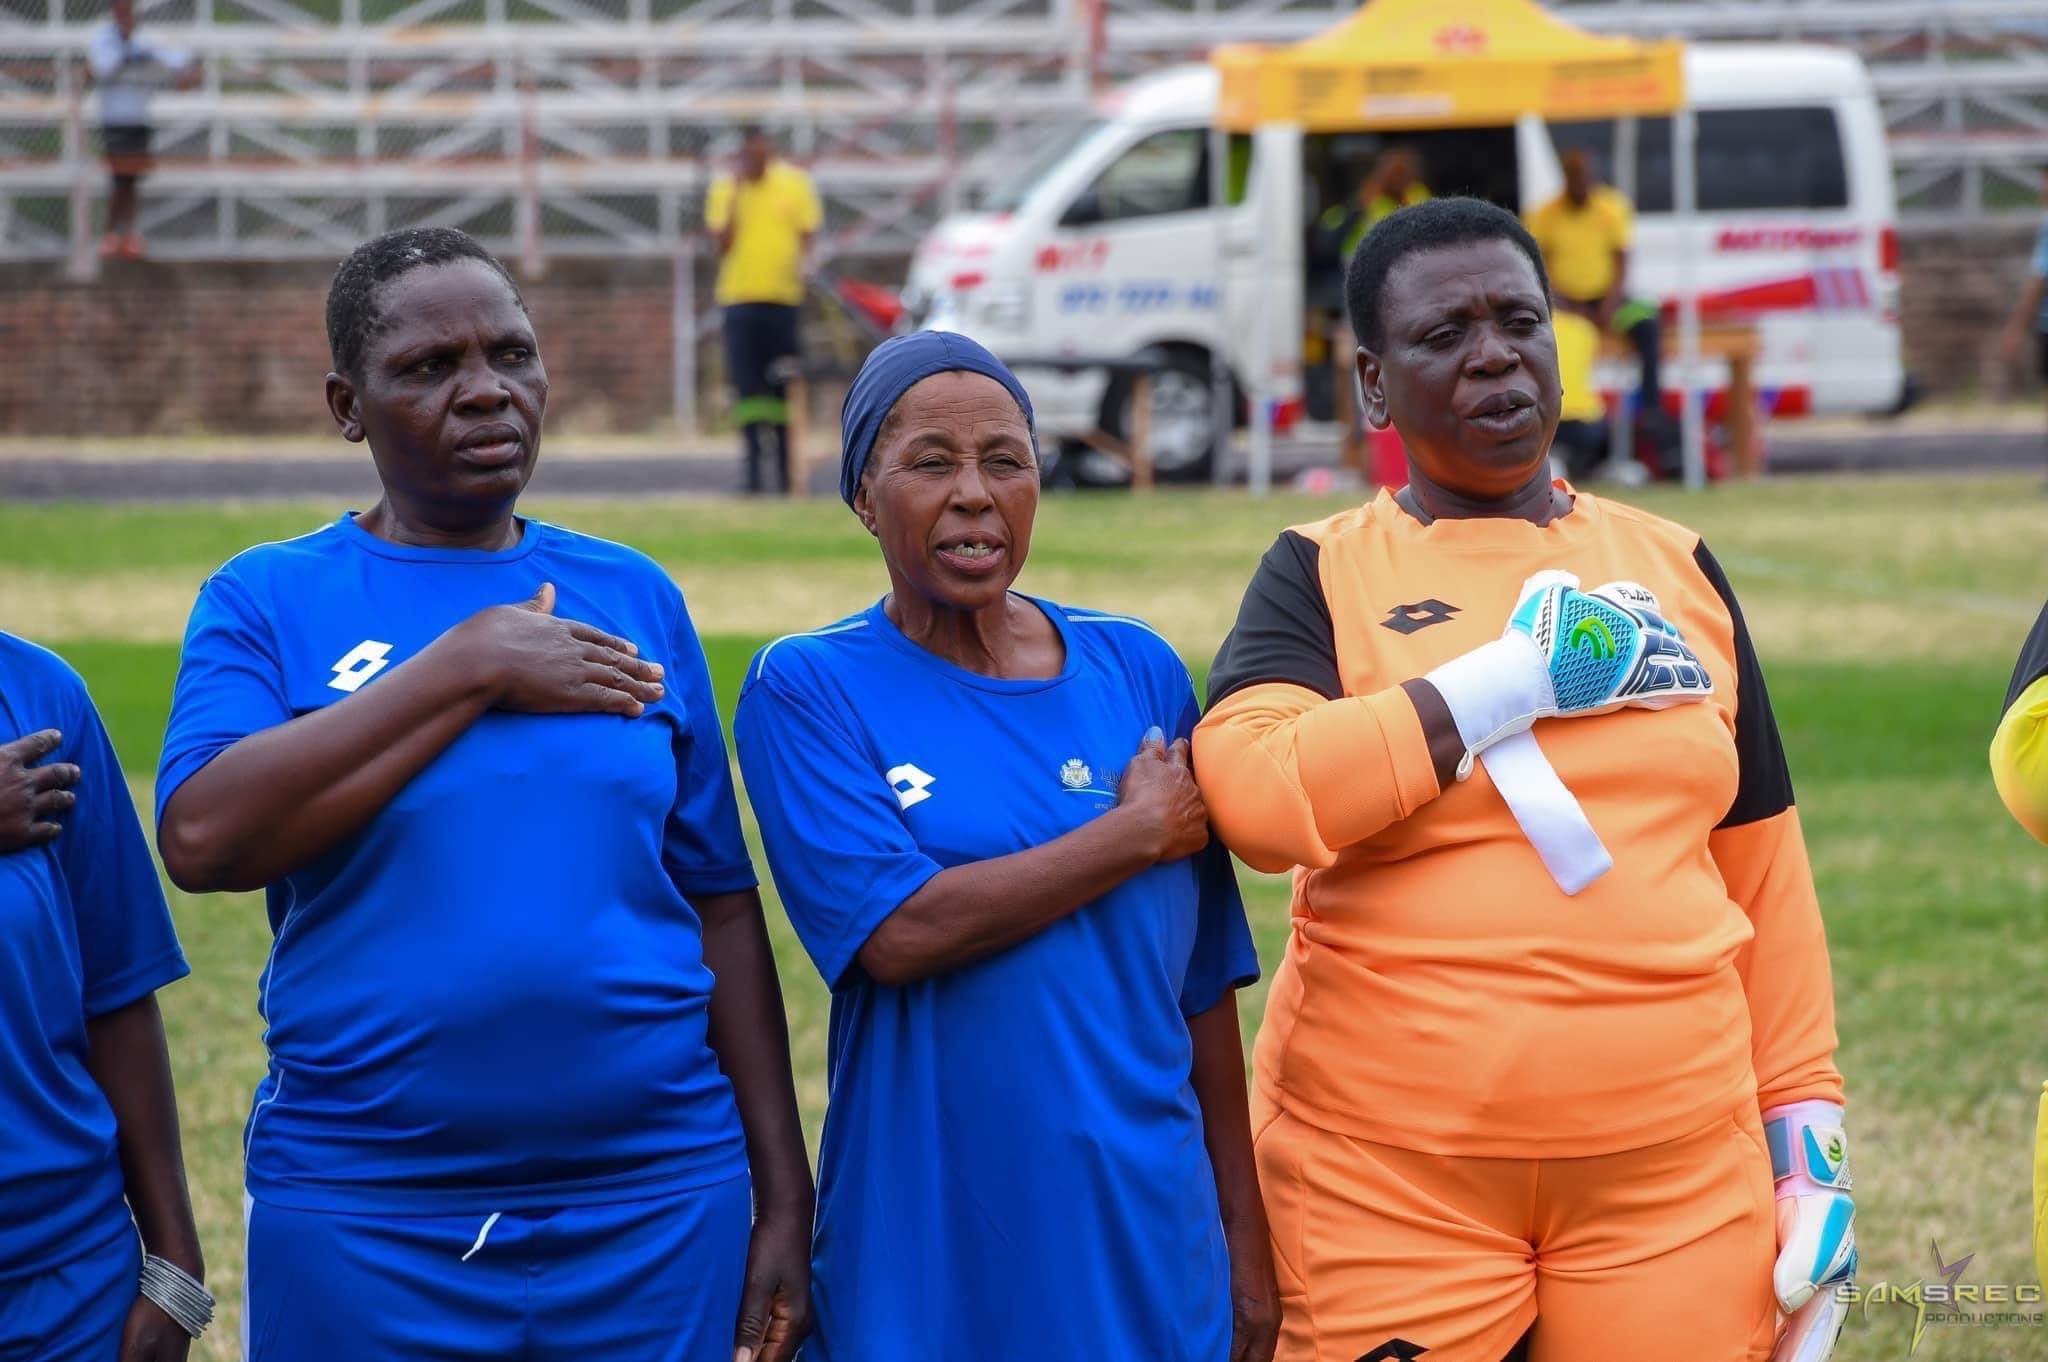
2019 759
2041 1190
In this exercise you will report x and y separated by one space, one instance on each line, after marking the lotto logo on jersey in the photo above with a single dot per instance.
1395 1350
911 785
359 664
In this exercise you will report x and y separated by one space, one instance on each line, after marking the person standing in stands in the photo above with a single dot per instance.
127 68
1585 234
763 218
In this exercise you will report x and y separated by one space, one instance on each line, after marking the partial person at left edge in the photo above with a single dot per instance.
93 1201
529 1091
128 67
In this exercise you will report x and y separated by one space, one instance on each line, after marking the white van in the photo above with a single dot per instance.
1105 243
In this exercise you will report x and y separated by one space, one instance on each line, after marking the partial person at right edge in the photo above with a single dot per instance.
2019 768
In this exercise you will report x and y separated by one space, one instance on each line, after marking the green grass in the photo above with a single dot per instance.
1887 613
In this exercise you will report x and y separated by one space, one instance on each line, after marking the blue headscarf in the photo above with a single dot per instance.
892 370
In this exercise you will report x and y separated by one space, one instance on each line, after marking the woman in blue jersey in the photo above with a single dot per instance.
978 809
89 1150
475 763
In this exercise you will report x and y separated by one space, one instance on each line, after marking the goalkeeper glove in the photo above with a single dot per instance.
1568 652
1564 652
1816 1226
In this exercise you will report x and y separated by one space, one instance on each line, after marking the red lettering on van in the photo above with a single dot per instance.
1077 255
1787 238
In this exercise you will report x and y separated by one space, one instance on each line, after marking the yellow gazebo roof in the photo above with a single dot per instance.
1413 64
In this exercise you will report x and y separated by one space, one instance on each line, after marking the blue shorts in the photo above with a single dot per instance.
74 1312
635 1281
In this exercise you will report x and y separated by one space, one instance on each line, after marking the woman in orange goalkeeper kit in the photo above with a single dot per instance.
1547 1069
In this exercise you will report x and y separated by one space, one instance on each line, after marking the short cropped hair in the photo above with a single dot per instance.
1429 226
352 314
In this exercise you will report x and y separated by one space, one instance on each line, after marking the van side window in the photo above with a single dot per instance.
1162 174
1750 160
1167 172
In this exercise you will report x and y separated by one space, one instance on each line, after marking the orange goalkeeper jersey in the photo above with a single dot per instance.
1439 992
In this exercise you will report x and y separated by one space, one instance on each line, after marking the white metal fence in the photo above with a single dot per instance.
590 127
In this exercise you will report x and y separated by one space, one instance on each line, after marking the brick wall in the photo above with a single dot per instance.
178 349
175 349
1957 290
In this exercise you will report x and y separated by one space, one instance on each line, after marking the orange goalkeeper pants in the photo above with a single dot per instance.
1386 1255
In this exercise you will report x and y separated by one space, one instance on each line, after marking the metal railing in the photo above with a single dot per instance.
581 127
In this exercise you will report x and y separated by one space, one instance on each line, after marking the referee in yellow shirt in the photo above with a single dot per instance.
763 219
1585 234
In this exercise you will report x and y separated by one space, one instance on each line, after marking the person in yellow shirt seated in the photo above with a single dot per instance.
1585 234
1581 443
763 219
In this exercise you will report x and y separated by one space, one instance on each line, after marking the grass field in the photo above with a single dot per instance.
1887 614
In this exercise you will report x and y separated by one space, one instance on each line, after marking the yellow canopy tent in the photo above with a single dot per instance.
1410 65
1414 64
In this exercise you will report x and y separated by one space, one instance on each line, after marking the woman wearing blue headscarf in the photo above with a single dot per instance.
978 810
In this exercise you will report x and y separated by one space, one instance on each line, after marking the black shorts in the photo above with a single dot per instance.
2041 352
756 336
124 141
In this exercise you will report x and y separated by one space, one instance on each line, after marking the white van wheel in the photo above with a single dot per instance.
1182 420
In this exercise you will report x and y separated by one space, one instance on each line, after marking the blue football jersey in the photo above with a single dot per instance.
1013 1161
83 932
494 993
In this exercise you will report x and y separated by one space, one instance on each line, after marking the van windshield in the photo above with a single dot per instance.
1039 159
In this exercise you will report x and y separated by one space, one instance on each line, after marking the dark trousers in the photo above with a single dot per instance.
1581 446
1647 335
759 339
1638 322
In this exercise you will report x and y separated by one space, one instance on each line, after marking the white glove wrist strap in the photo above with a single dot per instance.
1809 1152
1497 689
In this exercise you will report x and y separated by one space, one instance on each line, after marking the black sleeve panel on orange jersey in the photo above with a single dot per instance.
2033 663
1283 631
1766 782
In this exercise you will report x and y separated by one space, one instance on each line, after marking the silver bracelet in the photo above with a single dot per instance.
178 1294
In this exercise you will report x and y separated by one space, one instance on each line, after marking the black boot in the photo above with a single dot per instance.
780 435
751 440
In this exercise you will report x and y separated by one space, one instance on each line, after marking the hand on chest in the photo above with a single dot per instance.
350 647
1396 619
1405 619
